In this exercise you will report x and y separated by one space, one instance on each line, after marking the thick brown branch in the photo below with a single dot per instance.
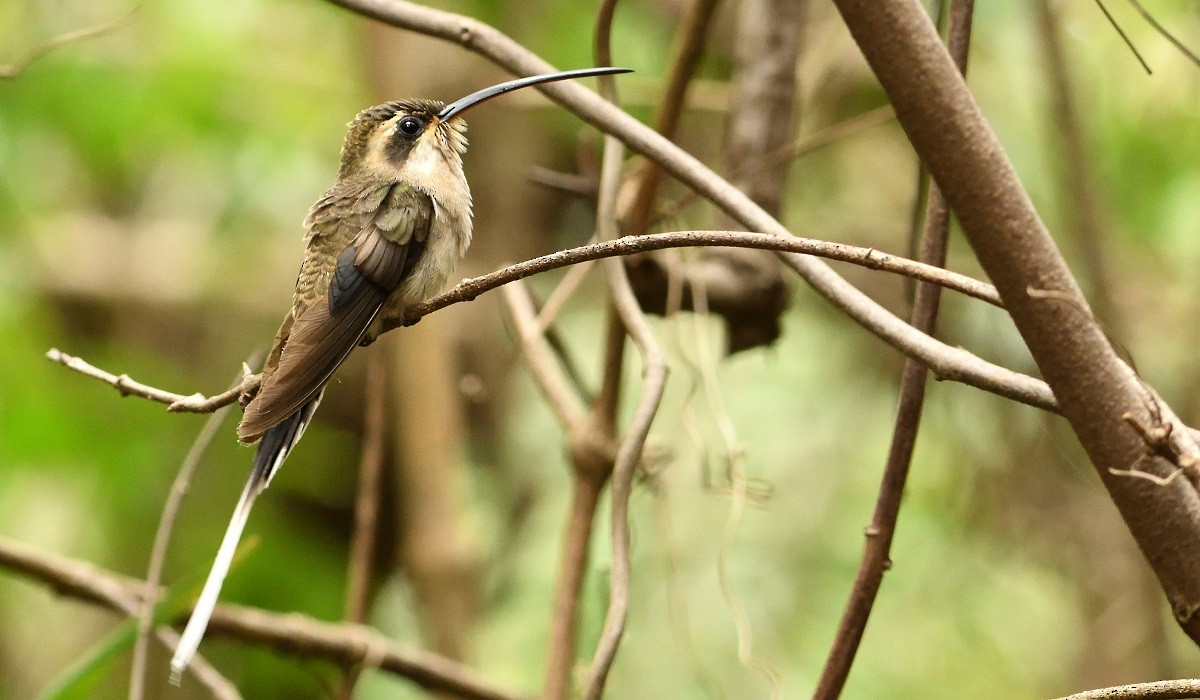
1096 392
292 633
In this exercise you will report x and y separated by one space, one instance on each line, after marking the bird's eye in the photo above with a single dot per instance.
410 126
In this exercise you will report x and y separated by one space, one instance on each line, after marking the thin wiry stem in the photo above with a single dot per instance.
162 537
367 501
879 533
630 452
1124 37
1158 27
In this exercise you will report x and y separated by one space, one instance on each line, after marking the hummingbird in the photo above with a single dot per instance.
387 235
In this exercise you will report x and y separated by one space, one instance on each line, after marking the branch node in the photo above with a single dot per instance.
1162 441
122 385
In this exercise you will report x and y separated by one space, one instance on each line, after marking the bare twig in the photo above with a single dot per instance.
576 550
300 635
125 386
876 556
366 504
1156 690
568 409
14 69
1124 37
628 456
591 437
1158 27
591 464
469 289
158 554
562 293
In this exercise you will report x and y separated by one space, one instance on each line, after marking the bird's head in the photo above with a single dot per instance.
422 141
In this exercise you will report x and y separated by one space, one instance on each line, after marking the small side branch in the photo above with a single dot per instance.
126 386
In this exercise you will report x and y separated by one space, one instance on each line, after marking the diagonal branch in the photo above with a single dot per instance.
945 361
876 556
343 644
1097 393
13 70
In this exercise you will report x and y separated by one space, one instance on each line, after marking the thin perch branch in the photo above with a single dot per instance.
945 361
469 289
629 454
125 386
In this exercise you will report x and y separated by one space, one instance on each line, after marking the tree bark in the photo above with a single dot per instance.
1095 390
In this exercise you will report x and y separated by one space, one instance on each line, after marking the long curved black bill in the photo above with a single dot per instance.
459 106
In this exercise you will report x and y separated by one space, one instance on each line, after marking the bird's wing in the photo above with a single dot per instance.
368 270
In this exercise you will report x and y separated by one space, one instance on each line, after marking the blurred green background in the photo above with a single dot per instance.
152 184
